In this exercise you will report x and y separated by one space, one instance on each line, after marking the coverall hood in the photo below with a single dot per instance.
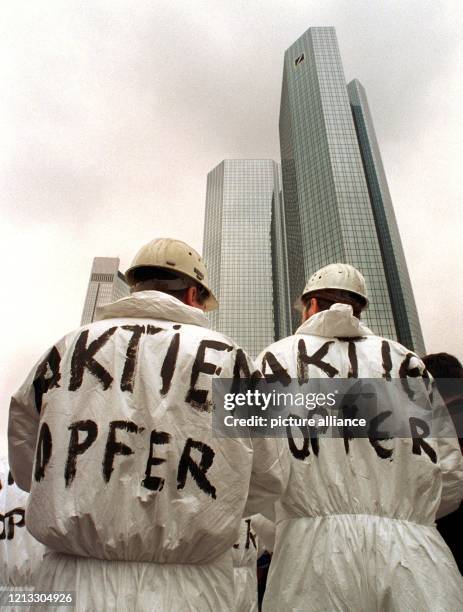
153 305
337 322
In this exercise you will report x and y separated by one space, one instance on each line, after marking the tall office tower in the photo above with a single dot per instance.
328 211
243 213
106 285
406 319
281 297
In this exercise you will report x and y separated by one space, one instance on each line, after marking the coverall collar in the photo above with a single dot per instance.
337 322
152 305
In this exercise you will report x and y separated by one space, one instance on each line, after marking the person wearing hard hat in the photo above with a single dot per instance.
136 499
245 568
20 554
355 527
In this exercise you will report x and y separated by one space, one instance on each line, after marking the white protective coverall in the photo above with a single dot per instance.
265 530
245 568
355 531
20 553
138 500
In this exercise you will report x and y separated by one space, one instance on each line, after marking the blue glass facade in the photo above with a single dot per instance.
328 213
400 290
243 213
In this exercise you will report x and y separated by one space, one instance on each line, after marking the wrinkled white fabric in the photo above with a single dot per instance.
265 530
128 468
20 553
354 531
245 567
141 587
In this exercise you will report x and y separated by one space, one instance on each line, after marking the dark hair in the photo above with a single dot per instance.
144 273
150 277
443 367
327 297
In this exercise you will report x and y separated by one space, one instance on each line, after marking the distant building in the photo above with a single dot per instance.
106 285
337 205
244 253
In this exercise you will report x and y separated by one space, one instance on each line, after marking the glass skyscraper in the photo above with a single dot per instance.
106 285
244 252
400 290
336 203
281 297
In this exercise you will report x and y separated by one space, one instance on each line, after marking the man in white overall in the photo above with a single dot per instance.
245 552
355 527
111 432
20 554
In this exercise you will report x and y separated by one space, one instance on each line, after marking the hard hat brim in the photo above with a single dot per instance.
210 303
354 294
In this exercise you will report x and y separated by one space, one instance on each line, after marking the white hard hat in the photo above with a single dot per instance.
175 256
337 276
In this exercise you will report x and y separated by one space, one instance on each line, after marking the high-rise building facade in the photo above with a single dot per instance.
400 289
242 248
329 213
106 285
281 297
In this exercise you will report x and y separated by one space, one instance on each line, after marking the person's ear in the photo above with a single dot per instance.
304 314
314 306
311 309
191 298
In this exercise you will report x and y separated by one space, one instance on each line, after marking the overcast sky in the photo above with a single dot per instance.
112 113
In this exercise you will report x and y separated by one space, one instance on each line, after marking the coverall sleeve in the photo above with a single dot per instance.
452 476
24 416
448 447
269 476
23 425
450 459
265 530
270 473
